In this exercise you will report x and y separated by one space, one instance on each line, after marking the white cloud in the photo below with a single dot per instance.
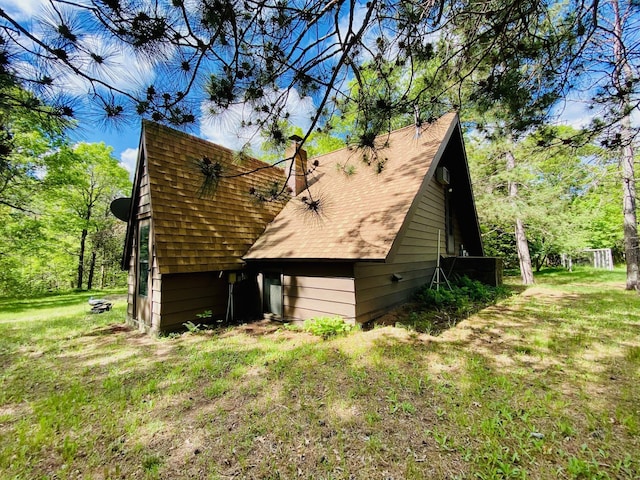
22 9
575 112
226 127
122 68
129 159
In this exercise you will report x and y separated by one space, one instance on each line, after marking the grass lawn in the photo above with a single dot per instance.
545 384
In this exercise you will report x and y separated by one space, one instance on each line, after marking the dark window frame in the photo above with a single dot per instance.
144 232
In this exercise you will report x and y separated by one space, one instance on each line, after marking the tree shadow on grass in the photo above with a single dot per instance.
252 402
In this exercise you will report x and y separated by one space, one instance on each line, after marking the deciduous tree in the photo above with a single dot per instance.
610 74
83 182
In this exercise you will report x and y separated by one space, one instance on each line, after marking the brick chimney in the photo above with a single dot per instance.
296 166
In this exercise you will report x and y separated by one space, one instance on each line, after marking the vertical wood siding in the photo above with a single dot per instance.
131 282
144 199
155 292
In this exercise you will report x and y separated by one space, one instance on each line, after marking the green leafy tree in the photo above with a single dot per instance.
600 207
510 88
82 183
510 60
609 73
552 187
26 139
28 136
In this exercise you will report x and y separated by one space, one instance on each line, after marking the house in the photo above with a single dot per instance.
183 248
353 240
376 239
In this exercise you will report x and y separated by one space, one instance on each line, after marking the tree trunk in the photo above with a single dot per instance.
92 269
83 241
526 270
621 77
629 207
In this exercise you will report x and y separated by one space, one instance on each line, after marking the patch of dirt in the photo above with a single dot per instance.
260 328
270 328
542 292
14 411
394 316
432 322
374 337
114 328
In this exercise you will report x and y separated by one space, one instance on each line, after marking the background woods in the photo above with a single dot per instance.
55 228
340 69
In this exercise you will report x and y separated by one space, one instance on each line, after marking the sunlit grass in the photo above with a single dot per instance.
543 385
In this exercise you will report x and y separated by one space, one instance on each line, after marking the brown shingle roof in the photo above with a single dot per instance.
361 214
195 233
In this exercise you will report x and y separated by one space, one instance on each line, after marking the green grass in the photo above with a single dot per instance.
544 384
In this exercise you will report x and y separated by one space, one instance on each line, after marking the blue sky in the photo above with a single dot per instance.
124 142
124 139
223 130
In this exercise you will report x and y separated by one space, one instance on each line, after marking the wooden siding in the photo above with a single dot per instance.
306 297
144 199
155 292
376 292
143 212
414 260
131 284
314 289
420 238
184 296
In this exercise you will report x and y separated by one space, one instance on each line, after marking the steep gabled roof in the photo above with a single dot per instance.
362 214
195 233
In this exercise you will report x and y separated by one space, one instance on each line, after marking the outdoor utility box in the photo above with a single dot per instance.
442 176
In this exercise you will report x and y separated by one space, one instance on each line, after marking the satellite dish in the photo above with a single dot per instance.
121 207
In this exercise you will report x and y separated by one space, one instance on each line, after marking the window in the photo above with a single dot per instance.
143 260
273 293
448 215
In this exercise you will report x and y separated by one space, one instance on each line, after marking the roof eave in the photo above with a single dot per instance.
313 260
135 197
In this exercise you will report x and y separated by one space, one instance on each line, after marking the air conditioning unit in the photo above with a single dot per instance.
443 176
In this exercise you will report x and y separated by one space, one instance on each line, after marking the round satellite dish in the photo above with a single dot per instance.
121 207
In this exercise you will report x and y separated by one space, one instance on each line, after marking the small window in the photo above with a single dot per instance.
272 293
143 260
449 229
